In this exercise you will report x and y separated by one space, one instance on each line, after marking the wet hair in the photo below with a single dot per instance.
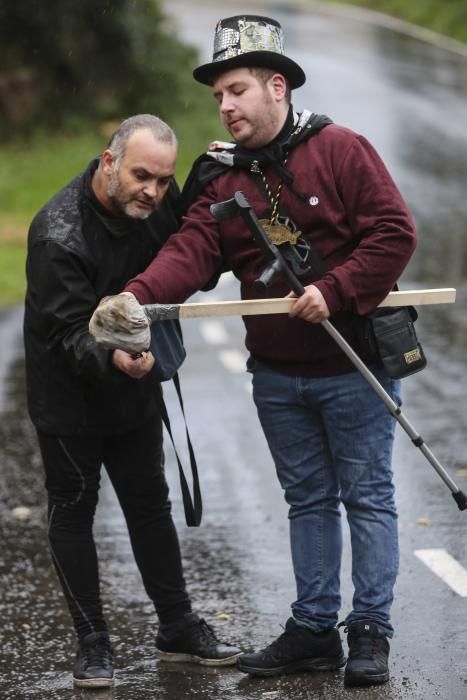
159 129
265 74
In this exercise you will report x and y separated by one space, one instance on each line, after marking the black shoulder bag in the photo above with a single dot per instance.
389 335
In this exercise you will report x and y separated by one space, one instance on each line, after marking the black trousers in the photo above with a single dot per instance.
134 463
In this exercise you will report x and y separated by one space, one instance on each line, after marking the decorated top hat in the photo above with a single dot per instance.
249 41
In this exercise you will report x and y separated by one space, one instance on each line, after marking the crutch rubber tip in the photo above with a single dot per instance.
461 500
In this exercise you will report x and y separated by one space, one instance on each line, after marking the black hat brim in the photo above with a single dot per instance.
253 59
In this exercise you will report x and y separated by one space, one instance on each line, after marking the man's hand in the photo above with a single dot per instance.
119 322
135 366
311 306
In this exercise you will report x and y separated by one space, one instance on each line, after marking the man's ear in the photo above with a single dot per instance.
107 162
279 86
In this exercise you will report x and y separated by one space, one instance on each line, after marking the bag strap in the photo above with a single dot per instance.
193 506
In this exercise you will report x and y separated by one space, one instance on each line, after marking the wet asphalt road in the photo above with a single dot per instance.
409 99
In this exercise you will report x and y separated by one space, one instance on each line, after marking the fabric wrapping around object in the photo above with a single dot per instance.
167 348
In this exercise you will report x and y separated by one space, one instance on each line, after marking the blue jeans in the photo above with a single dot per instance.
331 440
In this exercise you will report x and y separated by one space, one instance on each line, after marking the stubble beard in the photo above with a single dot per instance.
129 208
260 133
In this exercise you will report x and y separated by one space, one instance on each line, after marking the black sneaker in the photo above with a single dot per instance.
192 639
94 664
298 648
368 655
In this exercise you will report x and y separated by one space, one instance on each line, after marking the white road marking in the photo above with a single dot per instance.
214 332
226 279
439 561
446 567
233 360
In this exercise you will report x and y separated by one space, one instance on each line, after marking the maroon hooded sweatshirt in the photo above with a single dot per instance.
352 214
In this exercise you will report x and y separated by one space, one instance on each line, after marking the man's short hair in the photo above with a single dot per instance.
159 129
265 74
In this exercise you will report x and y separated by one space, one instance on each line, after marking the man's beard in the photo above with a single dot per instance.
129 208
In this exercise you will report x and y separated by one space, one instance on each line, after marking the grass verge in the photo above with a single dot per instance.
448 17
12 259
32 170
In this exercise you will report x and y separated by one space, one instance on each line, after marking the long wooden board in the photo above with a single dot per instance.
251 307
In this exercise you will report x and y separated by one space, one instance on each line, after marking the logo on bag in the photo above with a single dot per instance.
314 200
412 356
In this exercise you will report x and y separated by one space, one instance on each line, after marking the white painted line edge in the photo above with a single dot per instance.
441 563
233 360
214 332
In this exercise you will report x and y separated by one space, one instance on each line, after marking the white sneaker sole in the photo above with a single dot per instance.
93 682
191 658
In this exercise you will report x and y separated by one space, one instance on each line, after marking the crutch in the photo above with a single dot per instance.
289 267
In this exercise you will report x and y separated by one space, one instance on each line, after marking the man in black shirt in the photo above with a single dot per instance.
92 406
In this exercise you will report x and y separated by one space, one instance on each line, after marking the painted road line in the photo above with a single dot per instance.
214 332
226 279
441 563
233 360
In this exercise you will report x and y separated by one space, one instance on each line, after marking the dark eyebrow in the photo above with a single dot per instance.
140 169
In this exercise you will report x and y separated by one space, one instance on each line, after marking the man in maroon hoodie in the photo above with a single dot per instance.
329 434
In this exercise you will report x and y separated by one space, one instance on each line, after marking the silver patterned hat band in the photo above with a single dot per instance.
249 41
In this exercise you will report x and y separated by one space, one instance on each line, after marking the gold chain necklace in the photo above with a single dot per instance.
273 196
277 232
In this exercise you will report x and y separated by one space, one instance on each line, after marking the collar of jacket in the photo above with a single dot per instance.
297 127
117 226
224 155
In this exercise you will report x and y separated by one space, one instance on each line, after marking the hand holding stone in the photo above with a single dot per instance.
120 322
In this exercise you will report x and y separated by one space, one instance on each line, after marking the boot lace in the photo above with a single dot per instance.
362 645
287 644
98 654
204 634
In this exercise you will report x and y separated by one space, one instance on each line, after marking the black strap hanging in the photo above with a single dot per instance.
193 506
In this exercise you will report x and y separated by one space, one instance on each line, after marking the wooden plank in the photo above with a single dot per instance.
420 297
252 307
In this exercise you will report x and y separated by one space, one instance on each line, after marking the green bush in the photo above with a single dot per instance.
447 17
93 59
